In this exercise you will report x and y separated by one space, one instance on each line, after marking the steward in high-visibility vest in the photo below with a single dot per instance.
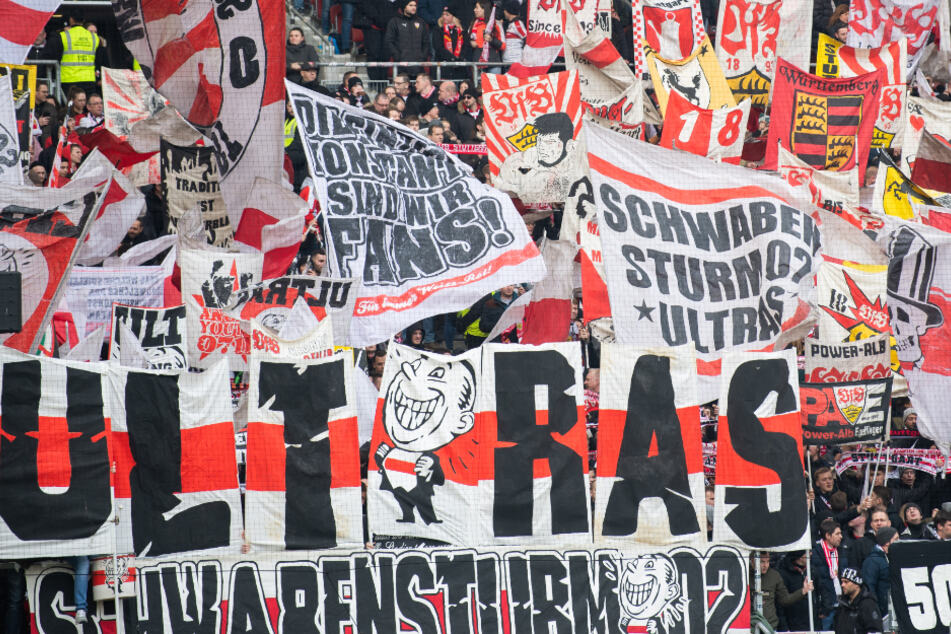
290 131
78 62
468 323
293 147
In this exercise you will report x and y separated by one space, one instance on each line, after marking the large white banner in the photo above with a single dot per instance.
409 219
712 255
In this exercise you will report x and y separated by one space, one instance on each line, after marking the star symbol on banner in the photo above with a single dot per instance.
644 311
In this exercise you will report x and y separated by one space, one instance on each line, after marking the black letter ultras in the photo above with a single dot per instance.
760 487
54 458
481 448
650 462
303 479
173 439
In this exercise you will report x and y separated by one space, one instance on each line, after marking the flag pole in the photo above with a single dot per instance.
812 625
120 624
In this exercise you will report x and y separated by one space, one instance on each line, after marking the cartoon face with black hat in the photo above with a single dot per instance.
910 275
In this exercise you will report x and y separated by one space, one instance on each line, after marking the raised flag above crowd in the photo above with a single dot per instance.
476 317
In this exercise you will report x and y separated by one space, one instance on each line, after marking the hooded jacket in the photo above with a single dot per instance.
858 615
407 39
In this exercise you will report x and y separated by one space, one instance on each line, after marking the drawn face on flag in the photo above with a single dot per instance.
428 404
910 274
649 590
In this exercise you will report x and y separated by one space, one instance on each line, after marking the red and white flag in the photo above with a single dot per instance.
717 134
875 23
40 235
121 206
608 87
892 59
932 168
672 29
222 67
543 43
176 475
303 484
545 310
919 307
22 22
752 34
273 223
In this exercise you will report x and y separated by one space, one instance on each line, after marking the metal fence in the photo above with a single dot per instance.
435 69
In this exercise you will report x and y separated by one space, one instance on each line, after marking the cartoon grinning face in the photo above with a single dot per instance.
647 585
428 403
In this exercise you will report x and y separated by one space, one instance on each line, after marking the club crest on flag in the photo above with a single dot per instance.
851 401
667 31
823 128
525 138
752 85
689 81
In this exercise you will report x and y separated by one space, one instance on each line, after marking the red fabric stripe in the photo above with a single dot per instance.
276 261
172 55
344 453
931 174
273 25
547 320
113 148
207 102
252 223
122 456
683 196
208 458
604 54
266 457
158 9
21 23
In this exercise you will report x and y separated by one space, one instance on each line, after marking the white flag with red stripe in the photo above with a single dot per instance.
22 22
608 87
891 58
273 223
545 310
672 28
717 134
543 43
120 207
222 67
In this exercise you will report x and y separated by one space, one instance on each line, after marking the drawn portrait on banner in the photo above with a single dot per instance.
427 405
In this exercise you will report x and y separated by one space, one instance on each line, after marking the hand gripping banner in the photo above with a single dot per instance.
303 478
650 463
176 470
55 483
760 496
714 255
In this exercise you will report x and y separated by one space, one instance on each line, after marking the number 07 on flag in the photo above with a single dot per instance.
716 134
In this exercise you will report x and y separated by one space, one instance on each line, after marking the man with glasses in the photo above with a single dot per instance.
402 85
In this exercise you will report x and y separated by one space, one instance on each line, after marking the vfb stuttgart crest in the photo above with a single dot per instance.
851 401
824 129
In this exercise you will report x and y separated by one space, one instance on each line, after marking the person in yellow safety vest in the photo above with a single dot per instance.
467 323
293 146
77 48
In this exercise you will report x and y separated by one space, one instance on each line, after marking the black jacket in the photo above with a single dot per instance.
825 587
492 311
303 54
859 615
860 548
407 39
797 614
375 14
